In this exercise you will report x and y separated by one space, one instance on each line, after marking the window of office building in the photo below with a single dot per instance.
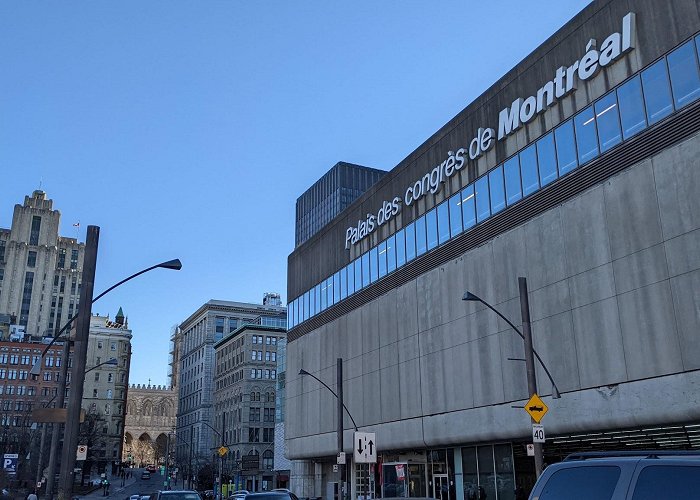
34 231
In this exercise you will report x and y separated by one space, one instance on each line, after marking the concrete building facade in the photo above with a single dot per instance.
195 342
245 382
105 389
578 170
40 271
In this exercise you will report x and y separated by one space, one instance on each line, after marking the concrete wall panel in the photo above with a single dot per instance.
649 332
686 299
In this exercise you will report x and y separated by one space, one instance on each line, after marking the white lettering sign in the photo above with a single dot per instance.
510 119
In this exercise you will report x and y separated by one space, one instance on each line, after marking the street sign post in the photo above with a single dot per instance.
538 433
365 447
9 463
81 453
536 408
341 458
223 451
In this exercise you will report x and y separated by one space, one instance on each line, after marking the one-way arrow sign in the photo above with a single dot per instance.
365 448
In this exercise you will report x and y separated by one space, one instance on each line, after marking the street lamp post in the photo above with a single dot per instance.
530 353
341 407
80 353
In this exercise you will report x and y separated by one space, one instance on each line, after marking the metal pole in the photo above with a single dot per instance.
55 428
221 457
189 478
82 331
339 390
529 360
167 456
41 454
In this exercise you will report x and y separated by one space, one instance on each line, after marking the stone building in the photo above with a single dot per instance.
40 271
151 415
105 389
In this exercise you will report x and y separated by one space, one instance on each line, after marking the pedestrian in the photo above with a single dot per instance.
32 496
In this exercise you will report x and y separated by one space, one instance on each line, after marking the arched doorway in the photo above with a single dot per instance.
144 450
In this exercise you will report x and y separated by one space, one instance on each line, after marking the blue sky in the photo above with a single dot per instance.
189 128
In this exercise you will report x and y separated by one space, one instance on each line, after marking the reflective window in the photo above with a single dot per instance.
685 80
657 92
307 313
566 147
336 288
373 265
481 195
666 481
351 278
455 215
391 254
431 228
312 302
400 249
546 159
497 190
410 242
528 170
317 293
358 274
381 255
468 207
511 170
324 295
343 283
420 236
582 483
329 289
632 115
607 116
443 220
586 137
365 269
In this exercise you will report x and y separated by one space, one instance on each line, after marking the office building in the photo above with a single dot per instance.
577 170
330 195
245 382
105 392
40 271
195 339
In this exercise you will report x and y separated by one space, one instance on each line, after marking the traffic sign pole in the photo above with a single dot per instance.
529 361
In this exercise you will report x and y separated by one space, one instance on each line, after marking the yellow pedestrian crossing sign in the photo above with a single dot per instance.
536 408
223 451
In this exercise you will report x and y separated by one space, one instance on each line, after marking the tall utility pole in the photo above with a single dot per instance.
221 457
529 360
82 331
339 391
56 427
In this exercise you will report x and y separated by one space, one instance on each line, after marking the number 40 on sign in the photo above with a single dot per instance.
537 433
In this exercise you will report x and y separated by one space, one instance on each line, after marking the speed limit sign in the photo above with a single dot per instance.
537 433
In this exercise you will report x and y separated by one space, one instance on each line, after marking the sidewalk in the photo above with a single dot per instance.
115 489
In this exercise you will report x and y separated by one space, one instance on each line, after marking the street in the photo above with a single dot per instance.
132 486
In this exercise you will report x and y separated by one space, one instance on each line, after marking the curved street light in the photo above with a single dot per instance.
468 296
304 372
173 264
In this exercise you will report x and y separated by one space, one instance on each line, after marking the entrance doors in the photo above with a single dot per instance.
441 487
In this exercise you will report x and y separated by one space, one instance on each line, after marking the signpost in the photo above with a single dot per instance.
81 453
9 463
365 448
223 451
538 433
536 408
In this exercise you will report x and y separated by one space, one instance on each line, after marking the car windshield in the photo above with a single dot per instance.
180 495
267 496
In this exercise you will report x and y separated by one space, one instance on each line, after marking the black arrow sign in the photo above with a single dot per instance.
371 444
359 446
536 408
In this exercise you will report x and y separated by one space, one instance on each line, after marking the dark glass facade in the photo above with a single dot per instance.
330 195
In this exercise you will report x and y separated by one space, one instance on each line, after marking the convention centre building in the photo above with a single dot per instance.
579 170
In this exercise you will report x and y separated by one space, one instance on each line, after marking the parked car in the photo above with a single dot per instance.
238 495
621 475
151 468
272 495
145 475
175 495
135 497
